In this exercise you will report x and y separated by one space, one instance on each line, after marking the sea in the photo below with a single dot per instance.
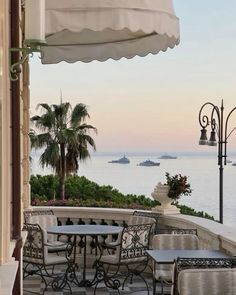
202 171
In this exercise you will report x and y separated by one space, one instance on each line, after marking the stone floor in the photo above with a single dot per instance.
33 285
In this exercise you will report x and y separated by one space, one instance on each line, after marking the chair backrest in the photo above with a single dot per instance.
34 249
176 241
207 282
206 276
153 215
136 219
135 240
143 219
45 218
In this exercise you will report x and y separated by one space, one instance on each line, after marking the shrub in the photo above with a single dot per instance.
80 192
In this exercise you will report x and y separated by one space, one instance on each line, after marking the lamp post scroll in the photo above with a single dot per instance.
219 128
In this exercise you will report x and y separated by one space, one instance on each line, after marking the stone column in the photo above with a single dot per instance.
25 94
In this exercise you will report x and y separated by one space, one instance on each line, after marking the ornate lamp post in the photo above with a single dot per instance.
219 128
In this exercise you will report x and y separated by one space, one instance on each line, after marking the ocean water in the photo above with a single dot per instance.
202 170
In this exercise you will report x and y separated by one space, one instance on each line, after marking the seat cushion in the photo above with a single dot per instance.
110 259
55 259
56 246
163 274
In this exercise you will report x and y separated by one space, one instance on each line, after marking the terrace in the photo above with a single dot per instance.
14 150
212 235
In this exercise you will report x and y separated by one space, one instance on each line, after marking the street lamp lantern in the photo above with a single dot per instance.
203 137
219 128
212 140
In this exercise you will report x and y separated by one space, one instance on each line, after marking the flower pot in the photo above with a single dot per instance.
160 194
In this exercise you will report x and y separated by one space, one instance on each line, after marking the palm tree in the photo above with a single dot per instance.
65 135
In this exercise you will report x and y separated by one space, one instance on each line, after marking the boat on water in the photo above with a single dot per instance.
165 157
122 160
229 161
234 164
149 163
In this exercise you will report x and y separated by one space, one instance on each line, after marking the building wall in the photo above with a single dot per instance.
5 137
8 265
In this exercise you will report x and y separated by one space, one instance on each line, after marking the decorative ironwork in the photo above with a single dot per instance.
219 127
177 231
187 263
135 241
130 252
25 52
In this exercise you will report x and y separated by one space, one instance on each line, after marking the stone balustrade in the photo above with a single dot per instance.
212 235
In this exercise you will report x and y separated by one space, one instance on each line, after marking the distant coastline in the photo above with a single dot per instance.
153 154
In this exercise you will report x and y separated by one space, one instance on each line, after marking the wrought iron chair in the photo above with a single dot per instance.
129 259
46 218
37 260
133 219
163 273
205 276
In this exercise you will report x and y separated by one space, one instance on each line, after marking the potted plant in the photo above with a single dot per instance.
169 192
178 186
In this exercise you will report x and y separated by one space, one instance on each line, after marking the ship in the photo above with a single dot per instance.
122 160
165 157
149 163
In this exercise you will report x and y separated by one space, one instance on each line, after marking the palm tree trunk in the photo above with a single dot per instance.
62 172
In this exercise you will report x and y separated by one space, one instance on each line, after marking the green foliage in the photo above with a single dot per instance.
178 186
81 192
43 187
190 211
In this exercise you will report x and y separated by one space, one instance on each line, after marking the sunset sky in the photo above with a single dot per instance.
152 103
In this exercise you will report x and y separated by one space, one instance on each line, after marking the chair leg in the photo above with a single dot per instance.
137 272
144 282
154 286
162 284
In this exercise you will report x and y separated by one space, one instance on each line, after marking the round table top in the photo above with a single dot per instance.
85 229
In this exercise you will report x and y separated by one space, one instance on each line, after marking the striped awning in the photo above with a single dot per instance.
86 30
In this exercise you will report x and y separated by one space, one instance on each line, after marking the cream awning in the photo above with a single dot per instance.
86 30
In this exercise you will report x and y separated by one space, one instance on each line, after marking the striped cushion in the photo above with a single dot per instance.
207 281
172 242
45 221
175 241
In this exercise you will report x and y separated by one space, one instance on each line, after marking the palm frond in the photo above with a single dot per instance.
79 114
40 140
86 127
44 106
50 156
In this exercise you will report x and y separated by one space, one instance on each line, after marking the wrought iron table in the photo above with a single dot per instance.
84 231
169 256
